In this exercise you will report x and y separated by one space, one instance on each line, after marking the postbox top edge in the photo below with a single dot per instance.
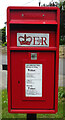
31 8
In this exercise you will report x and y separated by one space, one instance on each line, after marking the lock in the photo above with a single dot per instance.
33 56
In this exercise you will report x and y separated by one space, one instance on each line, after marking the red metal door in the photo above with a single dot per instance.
18 61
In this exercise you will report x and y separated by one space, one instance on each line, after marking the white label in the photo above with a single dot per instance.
33 80
33 39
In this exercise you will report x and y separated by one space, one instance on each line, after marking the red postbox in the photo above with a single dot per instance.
33 57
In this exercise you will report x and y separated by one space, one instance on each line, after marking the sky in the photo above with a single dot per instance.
5 3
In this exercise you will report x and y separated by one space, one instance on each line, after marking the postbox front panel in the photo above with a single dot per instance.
33 56
29 91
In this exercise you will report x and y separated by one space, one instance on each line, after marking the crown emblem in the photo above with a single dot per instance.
24 40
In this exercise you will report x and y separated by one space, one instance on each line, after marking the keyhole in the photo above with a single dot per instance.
18 82
33 56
